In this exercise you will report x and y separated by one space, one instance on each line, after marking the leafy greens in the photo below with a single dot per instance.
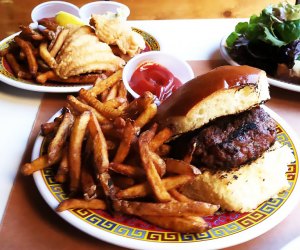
277 25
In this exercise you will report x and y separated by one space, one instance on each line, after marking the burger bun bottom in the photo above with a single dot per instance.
245 188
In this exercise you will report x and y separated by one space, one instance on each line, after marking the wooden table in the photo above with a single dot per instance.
30 224
16 12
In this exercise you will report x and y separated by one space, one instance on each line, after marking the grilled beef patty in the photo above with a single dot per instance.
233 140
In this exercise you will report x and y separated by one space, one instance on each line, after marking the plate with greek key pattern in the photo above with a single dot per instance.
7 76
227 228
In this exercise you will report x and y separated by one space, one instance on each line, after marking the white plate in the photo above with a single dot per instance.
272 81
228 229
7 77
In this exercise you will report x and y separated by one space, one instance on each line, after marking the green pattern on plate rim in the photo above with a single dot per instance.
134 228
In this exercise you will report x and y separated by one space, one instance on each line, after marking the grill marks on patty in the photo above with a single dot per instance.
234 140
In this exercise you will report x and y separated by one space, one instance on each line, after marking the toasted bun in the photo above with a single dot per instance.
242 190
223 91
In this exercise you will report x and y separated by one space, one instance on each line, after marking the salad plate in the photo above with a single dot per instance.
227 228
7 76
275 82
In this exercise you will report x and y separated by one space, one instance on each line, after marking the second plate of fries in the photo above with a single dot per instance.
104 166
33 52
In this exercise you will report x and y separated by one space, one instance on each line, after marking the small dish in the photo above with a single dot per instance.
178 67
273 81
49 9
101 8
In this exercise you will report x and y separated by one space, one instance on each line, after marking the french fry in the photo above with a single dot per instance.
87 183
62 173
145 116
50 127
37 164
125 143
101 159
44 77
80 79
16 67
138 105
112 93
128 170
46 56
27 49
189 156
99 146
163 150
101 85
27 32
123 181
48 34
153 177
76 139
194 208
109 130
122 91
80 203
59 41
158 162
56 145
115 103
119 122
179 196
190 224
180 167
160 138
144 189
103 95
42 66
108 112
81 107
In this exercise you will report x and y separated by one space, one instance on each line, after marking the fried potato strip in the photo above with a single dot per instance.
144 189
190 224
46 56
194 208
106 111
59 140
80 203
101 85
76 139
37 164
27 49
153 177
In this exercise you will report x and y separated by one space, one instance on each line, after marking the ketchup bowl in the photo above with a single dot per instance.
156 71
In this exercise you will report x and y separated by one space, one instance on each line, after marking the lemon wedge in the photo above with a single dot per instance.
64 18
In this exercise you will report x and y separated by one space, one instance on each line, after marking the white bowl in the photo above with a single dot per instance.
101 8
50 9
178 67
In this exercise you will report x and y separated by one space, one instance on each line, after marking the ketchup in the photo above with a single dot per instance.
155 78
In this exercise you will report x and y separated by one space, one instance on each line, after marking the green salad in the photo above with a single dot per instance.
268 39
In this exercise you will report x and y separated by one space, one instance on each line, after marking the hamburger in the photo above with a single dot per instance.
221 127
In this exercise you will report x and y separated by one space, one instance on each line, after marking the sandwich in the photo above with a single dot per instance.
221 127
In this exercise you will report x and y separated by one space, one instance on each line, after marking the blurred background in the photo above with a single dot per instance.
16 12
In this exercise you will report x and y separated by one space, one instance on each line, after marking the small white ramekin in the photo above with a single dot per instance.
178 67
51 8
101 8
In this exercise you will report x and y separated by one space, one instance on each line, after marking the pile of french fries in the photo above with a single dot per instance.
112 156
31 55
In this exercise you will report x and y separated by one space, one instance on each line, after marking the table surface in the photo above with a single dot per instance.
191 39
